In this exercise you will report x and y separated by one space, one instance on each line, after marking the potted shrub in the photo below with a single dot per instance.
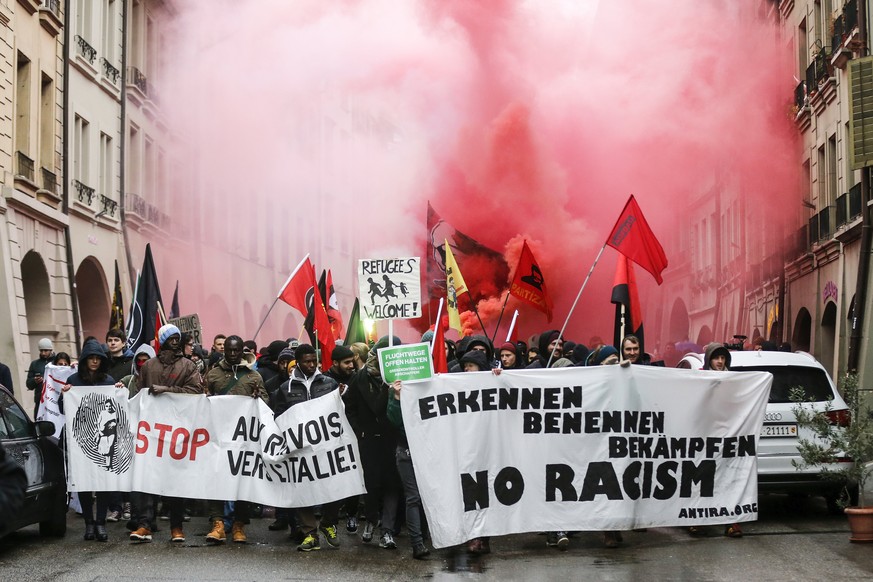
842 452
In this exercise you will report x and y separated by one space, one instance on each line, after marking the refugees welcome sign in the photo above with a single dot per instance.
605 448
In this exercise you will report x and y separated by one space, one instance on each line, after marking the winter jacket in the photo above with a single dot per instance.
366 405
37 368
267 368
120 366
395 417
131 381
714 349
543 354
239 380
295 390
80 377
172 371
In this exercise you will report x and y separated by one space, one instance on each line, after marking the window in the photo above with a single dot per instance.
821 177
83 19
106 168
148 185
802 49
22 105
832 170
81 153
136 35
134 162
109 30
17 423
47 123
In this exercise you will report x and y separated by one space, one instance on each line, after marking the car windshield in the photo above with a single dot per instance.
814 381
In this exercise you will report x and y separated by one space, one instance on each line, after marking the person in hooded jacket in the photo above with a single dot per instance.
233 376
92 371
143 354
268 366
305 383
510 358
474 342
285 363
169 371
718 358
550 347
366 403
118 353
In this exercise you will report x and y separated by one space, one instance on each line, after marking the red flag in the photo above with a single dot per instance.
624 292
333 313
632 237
300 287
438 351
529 285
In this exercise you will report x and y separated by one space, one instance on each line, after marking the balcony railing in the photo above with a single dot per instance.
850 16
839 36
842 210
25 166
800 95
139 80
813 230
88 52
84 193
49 181
826 223
135 204
109 205
53 6
855 204
797 243
109 71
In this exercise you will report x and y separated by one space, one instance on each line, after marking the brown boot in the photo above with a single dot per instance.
217 535
239 532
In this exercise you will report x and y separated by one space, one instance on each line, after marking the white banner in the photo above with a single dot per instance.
390 288
54 379
221 447
575 449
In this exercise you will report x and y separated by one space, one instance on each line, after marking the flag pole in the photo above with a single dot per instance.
439 317
500 318
263 321
512 326
578 295
276 300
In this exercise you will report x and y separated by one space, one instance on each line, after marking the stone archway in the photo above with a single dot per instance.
37 299
291 327
215 319
801 338
92 294
679 322
827 346
704 337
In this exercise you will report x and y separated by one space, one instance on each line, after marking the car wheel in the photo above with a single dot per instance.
56 524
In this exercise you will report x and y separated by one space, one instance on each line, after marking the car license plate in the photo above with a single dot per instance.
779 430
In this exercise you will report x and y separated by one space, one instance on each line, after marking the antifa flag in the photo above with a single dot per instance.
529 285
301 292
487 270
624 294
632 237
328 295
116 315
145 316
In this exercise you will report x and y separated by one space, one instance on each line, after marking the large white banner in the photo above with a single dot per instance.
572 449
54 379
221 447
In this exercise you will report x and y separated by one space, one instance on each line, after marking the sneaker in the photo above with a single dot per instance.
352 524
420 551
217 535
310 542
387 541
142 534
125 511
552 539
563 541
367 534
177 535
330 536
239 532
113 516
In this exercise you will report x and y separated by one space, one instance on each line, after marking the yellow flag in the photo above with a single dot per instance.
454 286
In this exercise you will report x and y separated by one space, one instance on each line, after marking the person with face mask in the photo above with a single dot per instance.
143 354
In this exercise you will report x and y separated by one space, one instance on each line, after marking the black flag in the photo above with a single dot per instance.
355 331
174 308
116 315
144 314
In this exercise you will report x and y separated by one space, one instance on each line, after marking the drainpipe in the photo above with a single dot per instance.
123 171
866 231
65 167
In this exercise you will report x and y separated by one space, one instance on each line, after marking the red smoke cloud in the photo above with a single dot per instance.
518 120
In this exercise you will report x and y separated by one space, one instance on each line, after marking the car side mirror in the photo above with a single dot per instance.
45 428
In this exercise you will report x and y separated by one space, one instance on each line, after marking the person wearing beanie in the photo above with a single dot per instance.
366 408
343 366
306 382
267 363
37 369
509 357
427 337
603 356
93 371
474 361
170 371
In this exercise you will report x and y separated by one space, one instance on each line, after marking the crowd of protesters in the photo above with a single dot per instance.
286 373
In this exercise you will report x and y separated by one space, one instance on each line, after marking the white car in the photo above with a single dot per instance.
777 447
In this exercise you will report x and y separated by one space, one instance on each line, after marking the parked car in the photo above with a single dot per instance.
777 447
32 446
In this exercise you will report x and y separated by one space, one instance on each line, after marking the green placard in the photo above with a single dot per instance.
407 363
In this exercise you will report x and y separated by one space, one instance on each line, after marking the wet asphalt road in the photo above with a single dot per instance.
795 540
